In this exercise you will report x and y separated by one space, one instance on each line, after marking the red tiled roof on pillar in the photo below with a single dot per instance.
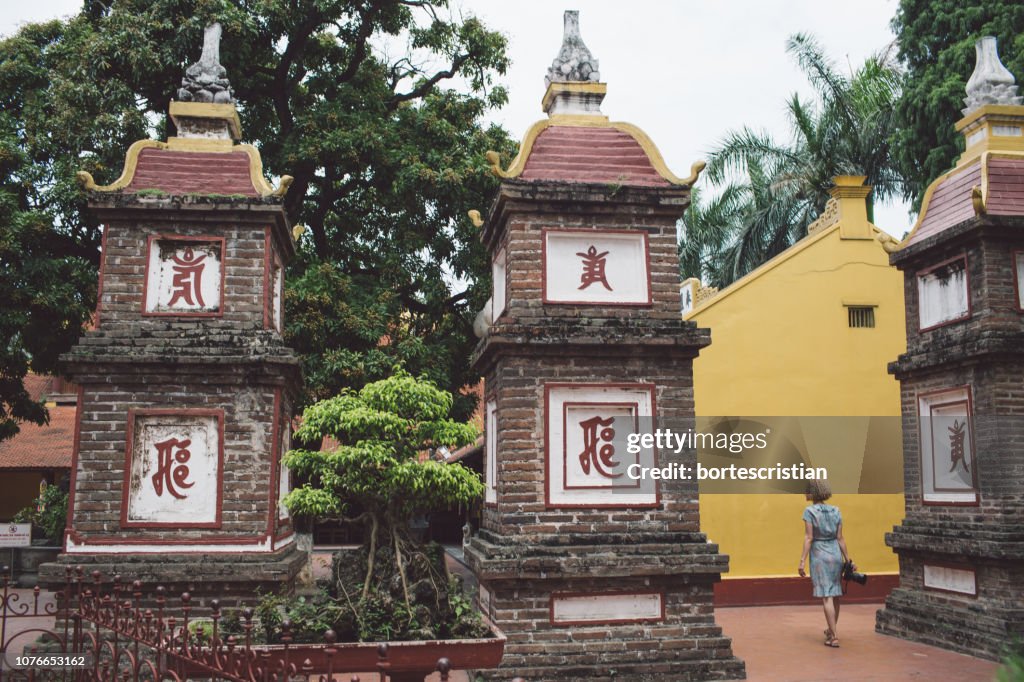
989 176
577 143
188 172
587 154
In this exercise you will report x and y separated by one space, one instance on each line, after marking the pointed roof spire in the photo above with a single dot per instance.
207 80
991 82
573 86
574 63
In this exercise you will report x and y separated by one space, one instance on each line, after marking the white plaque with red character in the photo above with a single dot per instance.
173 469
592 267
184 276
588 461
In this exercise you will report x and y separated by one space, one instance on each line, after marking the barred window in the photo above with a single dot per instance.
861 316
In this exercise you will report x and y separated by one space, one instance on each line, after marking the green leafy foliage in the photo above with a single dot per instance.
936 47
48 523
378 475
766 193
381 431
374 107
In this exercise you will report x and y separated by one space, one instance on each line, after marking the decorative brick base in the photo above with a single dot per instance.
236 580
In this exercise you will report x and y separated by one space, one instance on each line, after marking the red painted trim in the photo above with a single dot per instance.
959 567
163 540
635 407
967 283
186 238
275 462
126 485
974 450
70 526
487 439
1015 255
281 537
544 267
786 591
267 274
615 621
651 388
99 286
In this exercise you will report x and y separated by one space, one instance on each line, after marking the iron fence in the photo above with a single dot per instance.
105 632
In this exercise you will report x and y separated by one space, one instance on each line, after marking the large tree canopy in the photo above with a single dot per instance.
936 46
373 106
767 192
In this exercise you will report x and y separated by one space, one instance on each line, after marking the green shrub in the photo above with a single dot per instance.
50 522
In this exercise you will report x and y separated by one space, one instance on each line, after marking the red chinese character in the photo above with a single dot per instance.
171 470
593 268
602 459
187 280
957 437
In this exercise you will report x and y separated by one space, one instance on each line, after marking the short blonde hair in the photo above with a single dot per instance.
819 489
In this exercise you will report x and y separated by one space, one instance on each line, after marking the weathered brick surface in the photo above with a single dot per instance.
230 362
527 549
986 353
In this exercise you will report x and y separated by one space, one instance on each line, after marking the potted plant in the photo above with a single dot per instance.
377 473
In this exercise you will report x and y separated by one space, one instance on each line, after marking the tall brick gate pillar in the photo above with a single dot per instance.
186 384
961 545
592 575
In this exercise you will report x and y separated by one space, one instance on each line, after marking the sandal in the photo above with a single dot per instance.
828 636
832 643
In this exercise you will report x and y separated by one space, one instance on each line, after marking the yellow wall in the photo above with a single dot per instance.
781 345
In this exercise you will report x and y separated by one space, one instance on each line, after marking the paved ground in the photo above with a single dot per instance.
784 644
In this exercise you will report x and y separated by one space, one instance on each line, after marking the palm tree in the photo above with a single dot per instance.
765 193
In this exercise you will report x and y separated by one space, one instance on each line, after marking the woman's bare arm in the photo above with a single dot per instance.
808 536
842 543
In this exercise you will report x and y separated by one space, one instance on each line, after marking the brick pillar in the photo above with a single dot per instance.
186 385
589 577
961 545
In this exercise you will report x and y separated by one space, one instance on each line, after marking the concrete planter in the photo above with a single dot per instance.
405 662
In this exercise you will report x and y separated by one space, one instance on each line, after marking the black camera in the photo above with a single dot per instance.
850 574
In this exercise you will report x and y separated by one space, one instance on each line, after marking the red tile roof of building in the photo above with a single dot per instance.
1005 186
951 203
188 172
591 155
42 447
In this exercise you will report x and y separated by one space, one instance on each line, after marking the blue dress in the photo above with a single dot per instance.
826 558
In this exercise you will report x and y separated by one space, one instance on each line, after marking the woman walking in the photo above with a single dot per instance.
823 541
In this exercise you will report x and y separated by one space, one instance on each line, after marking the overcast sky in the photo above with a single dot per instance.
686 72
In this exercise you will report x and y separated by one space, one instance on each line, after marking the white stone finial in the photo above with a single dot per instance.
211 46
574 63
207 80
991 82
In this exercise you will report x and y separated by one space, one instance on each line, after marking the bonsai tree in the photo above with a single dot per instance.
380 475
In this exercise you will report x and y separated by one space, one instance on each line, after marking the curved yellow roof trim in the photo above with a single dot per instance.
131 163
979 195
582 121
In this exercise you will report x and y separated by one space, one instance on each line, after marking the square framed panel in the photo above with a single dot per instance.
943 294
948 462
596 267
587 460
173 475
184 276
